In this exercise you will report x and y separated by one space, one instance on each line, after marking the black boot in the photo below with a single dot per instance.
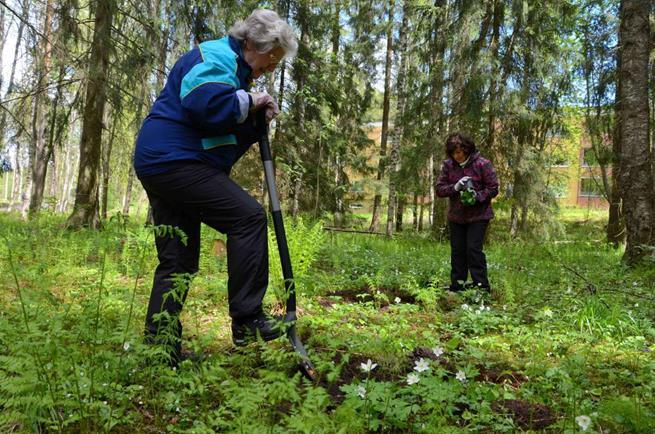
249 329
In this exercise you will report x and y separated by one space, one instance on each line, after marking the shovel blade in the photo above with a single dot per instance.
306 367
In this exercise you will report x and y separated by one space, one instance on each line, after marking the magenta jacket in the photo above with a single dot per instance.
485 183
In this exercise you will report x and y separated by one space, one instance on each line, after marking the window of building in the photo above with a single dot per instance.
559 191
590 187
589 157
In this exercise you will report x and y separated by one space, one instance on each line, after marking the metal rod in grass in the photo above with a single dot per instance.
41 371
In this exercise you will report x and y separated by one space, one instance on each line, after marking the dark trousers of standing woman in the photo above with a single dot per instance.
466 255
183 198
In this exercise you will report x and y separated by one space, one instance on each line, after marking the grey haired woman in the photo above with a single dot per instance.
200 125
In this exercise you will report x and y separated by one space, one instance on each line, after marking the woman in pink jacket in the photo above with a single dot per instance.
470 182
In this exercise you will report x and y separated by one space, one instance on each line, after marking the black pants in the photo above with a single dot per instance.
183 198
466 254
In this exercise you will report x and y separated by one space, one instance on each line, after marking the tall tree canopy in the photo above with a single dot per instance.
519 77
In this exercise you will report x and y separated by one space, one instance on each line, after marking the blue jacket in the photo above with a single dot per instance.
201 114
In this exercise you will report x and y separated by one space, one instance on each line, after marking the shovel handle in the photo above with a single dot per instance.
276 212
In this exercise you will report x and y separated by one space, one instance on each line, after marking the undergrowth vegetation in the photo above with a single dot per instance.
564 344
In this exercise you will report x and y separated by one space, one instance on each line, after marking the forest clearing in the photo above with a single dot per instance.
354 216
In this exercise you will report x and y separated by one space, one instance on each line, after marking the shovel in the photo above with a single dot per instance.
290 318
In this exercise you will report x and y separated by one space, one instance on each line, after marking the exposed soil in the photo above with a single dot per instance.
501 376
449 301
365 294
353 295
525 414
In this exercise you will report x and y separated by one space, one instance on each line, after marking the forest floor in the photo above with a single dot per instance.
565 343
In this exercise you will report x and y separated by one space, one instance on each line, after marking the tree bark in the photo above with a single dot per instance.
2 44
377 200
636 170
301 77
16 180
400 211
10 87
106 158
498 17
85 210
616 222
41 148
437 80
415 212
394 156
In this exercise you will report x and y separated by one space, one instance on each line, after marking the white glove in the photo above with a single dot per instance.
461 184
263 101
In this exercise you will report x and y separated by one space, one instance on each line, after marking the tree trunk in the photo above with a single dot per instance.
85 210
431 192
41 148
18 180
138 118
616 221
421 214
400 211
377 201
498 17
318 179
394 160
297 188
301 77
636 170
438 121
514 220
415 212
10 87
5 193
2 44
68 170
106 158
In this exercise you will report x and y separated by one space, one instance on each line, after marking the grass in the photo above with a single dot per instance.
568 332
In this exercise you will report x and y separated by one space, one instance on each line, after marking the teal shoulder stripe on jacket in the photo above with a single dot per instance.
219 65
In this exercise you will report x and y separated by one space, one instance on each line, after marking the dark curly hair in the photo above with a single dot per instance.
458 139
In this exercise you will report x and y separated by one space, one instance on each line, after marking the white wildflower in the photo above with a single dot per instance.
126 346
465 306
361 391
421 365
461 376
412 378
438 351
368 366
583 422
397 300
